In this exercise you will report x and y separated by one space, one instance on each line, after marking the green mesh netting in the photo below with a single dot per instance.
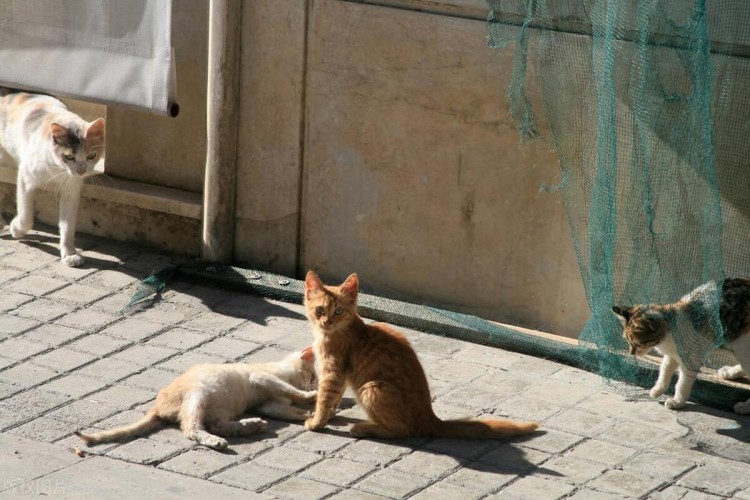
647 104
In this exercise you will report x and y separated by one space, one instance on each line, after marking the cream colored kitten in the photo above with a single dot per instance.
53 146
207 400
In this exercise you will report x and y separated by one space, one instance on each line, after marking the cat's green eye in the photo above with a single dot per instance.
320 310
91 156
69 157
339 311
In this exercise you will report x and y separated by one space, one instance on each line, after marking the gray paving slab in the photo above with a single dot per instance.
69 360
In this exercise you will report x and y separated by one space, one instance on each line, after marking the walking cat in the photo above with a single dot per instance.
684 323
50 145
207 399
383 370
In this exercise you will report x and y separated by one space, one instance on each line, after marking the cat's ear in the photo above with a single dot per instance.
95 132
622 313
60 135
312 284
350 287
307 354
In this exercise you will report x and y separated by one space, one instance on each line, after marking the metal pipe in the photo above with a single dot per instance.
222 113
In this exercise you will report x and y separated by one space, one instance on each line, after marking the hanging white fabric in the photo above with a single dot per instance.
113 52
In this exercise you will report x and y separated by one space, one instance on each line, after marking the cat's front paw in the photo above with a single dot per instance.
314 424
310 396
73 260
18 229
253 425
656 391
674 404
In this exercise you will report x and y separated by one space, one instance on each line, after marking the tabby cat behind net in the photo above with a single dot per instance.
381 367
680 328
53 147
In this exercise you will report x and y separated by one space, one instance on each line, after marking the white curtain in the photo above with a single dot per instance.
108 51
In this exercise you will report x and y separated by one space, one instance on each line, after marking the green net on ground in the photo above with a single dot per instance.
647 105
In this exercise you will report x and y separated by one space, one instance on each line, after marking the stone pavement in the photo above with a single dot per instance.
69 361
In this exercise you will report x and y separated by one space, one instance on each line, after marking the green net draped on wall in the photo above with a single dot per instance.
648 106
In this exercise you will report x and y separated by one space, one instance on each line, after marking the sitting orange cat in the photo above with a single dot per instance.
383 370
207 399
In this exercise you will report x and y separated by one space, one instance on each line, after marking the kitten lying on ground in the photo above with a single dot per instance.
49 144
685 324
382 369
207 399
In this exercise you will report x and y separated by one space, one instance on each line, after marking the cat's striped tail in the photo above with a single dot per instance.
148 423
487 428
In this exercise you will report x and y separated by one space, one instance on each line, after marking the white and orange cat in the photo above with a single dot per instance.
207 399
683 334
50 145
382 369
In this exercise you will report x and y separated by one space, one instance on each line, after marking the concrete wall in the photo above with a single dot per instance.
373 139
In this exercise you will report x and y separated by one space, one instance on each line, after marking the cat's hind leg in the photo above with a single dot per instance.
741 348
192 416
731 372
244 427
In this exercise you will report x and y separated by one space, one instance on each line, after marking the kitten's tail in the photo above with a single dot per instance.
482 428
148 423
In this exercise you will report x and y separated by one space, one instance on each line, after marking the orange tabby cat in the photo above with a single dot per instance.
383 370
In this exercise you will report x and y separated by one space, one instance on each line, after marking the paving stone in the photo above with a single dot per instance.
87 319
43 429
514 457
182 362
102 477
122 396
373 452
63 359
13 325
144 354
450 371
35 285
133 329
680 493
10 301
74 385
480 477
657 465
563 392
393 483
430 465
109 369
601 452
266 355
210 322
485 355
19 348
445 490
8 274
289 459
257 333
634 434
338 471
622 483
151 378
166 313
23 459
436 345
462 448
179 338
199 462
229 348
144 451
249 476
110 279
79 294
26 374
579 422
351 494
30 404
54 334
572 470
553 441
319 442
535 487
722 478
43 309
99 345
587 494
83 412
296 487
477 398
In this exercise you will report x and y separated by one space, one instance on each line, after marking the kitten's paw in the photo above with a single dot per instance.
310 396
674 404
742 408
253 425
17 229
74 260
730 372
313 424
215 442
656 392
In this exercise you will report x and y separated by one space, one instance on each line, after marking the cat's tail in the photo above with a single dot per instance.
148 423
487 428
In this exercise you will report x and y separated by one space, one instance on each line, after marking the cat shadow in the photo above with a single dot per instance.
739 430
497 456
